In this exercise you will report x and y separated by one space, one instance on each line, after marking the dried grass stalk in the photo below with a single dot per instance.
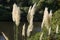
41 36
6 38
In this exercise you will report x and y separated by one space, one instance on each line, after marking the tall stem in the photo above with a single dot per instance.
15 32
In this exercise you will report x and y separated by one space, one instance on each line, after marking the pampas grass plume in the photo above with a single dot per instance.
16 14
30 16
45 21
23 30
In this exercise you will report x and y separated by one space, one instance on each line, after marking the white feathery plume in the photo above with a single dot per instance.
16 14
49 31
33 9
41 36
28 15
50 14
57 28
31 13
45 21
29 30
23 30
6 38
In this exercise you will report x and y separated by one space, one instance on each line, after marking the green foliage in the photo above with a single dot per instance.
35 1
34 37
56 21
49 1
56 18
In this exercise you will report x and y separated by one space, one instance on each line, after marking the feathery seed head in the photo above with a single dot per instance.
16 14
